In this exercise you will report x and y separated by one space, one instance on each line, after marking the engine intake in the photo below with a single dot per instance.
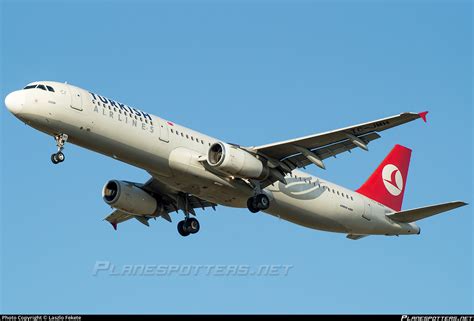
127 197
236 161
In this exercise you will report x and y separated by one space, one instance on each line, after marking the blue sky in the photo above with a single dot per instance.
249 72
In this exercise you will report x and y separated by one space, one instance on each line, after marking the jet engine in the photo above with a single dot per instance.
235 161
127 197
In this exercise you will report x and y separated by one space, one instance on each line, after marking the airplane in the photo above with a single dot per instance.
191 170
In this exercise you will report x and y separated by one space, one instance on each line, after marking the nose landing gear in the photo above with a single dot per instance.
59 157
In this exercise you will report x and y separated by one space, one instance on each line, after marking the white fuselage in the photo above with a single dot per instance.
171 154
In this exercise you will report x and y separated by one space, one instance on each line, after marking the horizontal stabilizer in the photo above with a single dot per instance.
417 214
356 236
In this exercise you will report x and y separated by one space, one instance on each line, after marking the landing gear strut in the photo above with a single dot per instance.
190 225
59 157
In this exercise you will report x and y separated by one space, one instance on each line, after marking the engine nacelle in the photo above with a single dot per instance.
236 161
127 197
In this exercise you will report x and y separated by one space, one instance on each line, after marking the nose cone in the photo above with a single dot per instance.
15 101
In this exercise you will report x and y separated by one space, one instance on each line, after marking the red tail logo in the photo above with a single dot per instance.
387 184
392 179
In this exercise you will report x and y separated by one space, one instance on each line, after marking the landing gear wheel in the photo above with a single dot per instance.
262 201
192 225
60 157
182 230
258 202
251 205
54 159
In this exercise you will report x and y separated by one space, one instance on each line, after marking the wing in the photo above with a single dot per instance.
303 151
117 217
171 200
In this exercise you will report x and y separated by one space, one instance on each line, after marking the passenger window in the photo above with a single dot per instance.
352 198
202 142
182 135
192 138
342 194
187 136
41 87
50 88
171 129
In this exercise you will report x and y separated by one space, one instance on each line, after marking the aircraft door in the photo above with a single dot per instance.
76 98
367 210
164 131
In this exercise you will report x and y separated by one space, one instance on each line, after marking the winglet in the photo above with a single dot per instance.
423 115
114 224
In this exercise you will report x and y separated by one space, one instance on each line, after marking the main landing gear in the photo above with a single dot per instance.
59 157
189 225
259 202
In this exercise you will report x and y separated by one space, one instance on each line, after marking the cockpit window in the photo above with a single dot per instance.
39 86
